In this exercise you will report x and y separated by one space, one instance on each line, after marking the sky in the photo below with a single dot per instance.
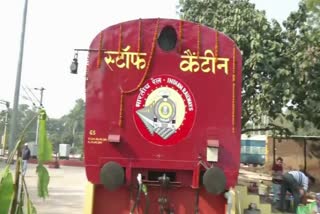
56 27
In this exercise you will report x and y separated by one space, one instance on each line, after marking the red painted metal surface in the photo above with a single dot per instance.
185 197
134 88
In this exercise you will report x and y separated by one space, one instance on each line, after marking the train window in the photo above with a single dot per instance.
167 39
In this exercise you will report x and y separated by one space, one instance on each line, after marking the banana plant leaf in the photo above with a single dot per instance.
44 146
43 181
6 190
30 207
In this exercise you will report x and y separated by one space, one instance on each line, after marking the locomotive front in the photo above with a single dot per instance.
163 111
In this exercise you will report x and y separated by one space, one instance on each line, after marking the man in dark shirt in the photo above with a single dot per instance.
25 157
277 172
278 166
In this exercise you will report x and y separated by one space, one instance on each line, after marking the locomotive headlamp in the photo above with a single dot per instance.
74 64
112 175
214 180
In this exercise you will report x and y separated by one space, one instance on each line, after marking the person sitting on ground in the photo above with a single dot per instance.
297 183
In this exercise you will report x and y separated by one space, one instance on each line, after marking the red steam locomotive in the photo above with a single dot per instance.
162 120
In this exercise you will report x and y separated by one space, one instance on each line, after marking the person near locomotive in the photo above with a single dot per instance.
25 157
297 183
277 172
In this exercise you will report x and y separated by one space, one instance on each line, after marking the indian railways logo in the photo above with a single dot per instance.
164 111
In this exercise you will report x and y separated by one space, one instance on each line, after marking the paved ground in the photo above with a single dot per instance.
66 190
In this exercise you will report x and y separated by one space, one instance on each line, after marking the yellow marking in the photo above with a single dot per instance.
207 63
89 198
125 58
92 132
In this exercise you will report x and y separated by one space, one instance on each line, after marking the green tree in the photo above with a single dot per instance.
72 126
303 54
55 129
2 121
313 7
264 90
307 130
25 114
